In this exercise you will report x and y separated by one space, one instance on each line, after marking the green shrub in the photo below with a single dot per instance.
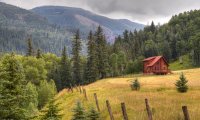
181 84
135 85
93 114
79 112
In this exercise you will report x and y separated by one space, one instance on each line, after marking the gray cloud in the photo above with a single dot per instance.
137 10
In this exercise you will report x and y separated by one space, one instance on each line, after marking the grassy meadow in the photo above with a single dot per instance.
164 100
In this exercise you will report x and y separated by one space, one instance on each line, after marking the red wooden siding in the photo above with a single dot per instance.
155 65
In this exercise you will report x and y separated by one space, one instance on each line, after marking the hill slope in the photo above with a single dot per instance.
17 24
76 18
160 90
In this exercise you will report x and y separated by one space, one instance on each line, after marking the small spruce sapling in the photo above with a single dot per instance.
181 84
52 112
135 85
79 112
93 114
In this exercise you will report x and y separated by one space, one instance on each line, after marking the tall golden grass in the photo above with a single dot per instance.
164 100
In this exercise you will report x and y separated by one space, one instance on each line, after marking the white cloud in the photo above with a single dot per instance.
143 11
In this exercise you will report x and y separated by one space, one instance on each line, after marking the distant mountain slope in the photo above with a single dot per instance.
10 12
76 18
17 24
52 28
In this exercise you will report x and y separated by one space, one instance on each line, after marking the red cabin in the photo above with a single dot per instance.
156 65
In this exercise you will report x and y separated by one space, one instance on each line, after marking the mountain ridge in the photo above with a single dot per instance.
18 24
78 18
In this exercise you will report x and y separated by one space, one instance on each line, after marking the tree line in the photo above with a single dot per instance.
28 82
180 36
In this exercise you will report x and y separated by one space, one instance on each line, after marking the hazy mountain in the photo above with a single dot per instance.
17 24
76 18
52 28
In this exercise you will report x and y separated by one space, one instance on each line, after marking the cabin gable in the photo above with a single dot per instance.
155 65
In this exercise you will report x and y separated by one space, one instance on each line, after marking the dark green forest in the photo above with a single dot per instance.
180 36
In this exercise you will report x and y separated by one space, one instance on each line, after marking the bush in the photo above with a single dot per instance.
181 84
135 85
46 91
93 114
79 112
52 112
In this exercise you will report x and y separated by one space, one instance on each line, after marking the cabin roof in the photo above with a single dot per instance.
154 60
150 58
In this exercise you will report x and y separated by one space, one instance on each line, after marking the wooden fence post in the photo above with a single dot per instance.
148 110
97 103
186 113
76 88
85 94
80 89
71 88
109 110
125 116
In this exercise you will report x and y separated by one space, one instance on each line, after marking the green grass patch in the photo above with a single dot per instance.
176 65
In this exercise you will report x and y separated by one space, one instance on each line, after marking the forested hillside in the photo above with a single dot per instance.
181 36
77 18
51 34
17 25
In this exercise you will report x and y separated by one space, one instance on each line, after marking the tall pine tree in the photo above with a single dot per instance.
65 67
76 48
91 71
30 51
101 52
12 91
39 54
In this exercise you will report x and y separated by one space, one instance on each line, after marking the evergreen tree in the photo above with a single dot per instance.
122 62
181 84
126 35
91 71
102 53
39 55
93 114
135 85
114 64
166 52
13 85
52 112
34 69
65 70
152 27
79 112
195 44
76 48
30 51
46 91
31 103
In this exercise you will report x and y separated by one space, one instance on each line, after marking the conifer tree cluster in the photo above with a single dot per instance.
97 58
81 114
65 72
12 87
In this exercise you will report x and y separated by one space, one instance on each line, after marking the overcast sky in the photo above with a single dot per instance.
143 11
